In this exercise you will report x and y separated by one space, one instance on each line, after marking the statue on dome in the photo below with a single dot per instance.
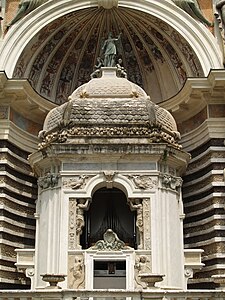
193 9
110 50
121 71
24 8
97 68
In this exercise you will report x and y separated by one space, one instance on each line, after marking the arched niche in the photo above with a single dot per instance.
175 46
109 209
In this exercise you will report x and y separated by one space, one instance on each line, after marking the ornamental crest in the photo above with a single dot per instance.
111 242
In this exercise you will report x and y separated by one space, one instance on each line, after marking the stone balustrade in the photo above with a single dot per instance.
112 294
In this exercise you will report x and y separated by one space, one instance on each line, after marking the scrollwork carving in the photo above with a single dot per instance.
111 242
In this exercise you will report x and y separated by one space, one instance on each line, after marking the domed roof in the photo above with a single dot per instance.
109 106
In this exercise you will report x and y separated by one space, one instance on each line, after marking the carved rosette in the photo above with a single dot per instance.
76 272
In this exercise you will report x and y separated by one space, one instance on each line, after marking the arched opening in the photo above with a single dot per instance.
109 210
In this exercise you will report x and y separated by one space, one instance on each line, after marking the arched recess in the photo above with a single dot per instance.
109 209
196 40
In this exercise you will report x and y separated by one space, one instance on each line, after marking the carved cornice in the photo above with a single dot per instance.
18 94
195 95
155 134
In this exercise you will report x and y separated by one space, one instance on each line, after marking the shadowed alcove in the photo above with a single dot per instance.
109 210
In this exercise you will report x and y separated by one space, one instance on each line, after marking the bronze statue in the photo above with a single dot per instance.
24 8
110 50
192 8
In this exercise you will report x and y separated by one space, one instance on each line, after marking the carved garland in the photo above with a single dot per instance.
155 133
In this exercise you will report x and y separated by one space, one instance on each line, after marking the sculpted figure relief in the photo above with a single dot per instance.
110 50
220 6
136 204
77 271
24 8
192 8
82 204
142 266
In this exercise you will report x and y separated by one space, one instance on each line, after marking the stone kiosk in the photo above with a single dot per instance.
109 209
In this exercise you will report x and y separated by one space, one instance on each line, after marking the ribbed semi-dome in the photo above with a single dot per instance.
109 106
61 56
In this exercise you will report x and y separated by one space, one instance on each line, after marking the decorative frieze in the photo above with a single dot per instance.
155 134
76 182
144 182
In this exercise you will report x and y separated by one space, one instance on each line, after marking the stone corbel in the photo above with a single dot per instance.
25 263
192 262
108 4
